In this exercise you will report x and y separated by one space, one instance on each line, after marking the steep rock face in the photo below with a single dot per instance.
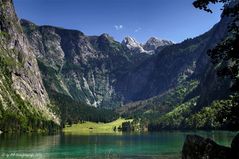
99 70
176 106
165 69
102 72
23 77
85 68
211 86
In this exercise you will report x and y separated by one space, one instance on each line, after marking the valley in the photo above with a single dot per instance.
66 94
129 78
75 78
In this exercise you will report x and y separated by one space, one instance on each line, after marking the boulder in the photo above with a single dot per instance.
196 147
235 147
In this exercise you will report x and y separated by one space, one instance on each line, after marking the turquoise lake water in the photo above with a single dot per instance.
161 145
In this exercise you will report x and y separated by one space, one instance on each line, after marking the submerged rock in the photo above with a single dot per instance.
196 147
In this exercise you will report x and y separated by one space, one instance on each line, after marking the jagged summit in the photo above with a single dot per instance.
153 43
106 36
149 47
132 45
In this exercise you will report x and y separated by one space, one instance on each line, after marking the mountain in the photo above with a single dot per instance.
154 43
102 72
192 96
49 73
85 68
132 45
24 102
148 48
161 84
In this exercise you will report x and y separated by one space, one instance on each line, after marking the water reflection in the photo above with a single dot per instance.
27 146
164 145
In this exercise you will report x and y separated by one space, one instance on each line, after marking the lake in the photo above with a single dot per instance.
161 145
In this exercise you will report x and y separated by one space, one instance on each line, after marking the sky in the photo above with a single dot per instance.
174 20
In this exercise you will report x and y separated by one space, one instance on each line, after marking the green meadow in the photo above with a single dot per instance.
92 127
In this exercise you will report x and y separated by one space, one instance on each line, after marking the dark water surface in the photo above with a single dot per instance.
161 145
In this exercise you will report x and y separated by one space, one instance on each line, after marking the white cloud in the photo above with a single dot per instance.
118 27
137 30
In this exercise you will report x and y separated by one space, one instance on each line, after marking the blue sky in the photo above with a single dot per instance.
174 20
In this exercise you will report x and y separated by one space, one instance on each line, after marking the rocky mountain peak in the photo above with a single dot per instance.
148 48
130 42
153 40
132 45
105 35
153 43
105 38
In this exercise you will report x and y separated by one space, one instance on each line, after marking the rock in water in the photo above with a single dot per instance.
235 146
196 147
